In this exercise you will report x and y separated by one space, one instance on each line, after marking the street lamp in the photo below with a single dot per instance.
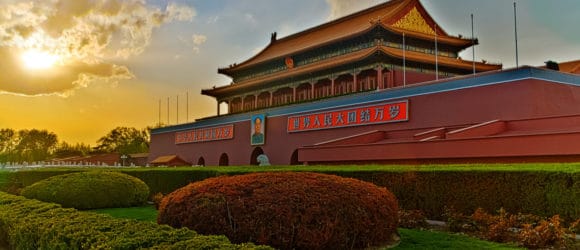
124 157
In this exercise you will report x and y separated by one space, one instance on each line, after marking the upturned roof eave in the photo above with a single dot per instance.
387 4
390 10
460 43
393 52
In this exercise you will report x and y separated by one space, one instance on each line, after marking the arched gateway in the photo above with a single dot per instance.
224 161
254 157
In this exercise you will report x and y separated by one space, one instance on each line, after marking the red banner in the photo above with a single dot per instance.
205 134
375 114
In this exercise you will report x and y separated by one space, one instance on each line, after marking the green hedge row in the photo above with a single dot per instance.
539 192
544 193
159 180
31 224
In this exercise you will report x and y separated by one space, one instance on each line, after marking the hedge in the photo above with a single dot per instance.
32 224
430 189
159 180
287 210
90 190
540 193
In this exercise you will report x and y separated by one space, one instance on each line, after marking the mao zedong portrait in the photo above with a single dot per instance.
258 130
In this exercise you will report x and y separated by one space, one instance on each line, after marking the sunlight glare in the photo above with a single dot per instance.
36 59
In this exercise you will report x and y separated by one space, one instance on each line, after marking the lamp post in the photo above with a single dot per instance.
123 157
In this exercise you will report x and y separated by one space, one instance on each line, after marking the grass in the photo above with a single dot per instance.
144 213
420 239
410 238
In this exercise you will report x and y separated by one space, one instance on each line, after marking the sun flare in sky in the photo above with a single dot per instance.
37 59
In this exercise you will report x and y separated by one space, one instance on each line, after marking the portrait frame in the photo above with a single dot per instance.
258 121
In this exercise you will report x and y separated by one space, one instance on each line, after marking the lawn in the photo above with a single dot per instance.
411 238
144 213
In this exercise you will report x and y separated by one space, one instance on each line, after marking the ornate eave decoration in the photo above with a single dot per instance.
413 21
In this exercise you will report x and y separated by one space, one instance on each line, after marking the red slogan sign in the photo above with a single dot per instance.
205 134
382 113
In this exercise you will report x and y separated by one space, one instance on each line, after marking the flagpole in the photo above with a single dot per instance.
177 116
404 63
436 56
472 44
516 34
187 106
159 121
167 110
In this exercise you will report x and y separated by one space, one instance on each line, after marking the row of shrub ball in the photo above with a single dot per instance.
285 210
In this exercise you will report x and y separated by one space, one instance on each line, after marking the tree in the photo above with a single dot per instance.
35 145
64 149
7 143
124 140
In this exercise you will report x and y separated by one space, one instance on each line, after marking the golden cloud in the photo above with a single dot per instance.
86 36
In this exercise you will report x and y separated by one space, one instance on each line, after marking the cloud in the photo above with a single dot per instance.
62 80
91 38
213 19
199 39
339 8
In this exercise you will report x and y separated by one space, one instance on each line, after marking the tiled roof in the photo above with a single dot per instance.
352 57
164 159
386 14
139 155
570 67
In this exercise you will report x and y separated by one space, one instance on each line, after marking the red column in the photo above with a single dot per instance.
271 98
218 108
332 86
312 90
355 89
242 108
255 101
294 94
380 82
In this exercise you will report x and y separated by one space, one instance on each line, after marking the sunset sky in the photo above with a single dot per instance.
80 68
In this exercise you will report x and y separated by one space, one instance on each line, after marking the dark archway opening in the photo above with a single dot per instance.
201 161
254 157
294 158
224 161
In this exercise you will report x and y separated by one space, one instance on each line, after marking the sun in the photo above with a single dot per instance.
36 59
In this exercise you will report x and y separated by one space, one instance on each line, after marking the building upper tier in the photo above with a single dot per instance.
407 17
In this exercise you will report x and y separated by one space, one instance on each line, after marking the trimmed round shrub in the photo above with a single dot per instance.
90 190
286 210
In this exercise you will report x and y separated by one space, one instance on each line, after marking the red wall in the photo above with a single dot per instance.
509 101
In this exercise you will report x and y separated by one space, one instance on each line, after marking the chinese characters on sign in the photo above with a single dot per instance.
381 113
205 134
